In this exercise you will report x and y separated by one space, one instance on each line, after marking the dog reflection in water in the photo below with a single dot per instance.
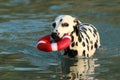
78 69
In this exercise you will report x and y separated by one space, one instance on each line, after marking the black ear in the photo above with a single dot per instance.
77 26
77 22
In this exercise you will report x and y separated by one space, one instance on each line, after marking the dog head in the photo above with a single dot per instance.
64 24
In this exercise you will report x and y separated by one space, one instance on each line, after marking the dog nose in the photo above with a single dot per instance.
55 36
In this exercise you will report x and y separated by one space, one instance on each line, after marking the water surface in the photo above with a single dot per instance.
23 22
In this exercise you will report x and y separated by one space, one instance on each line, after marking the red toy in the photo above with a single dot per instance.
45 43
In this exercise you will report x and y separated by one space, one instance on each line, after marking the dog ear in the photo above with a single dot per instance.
77 26
77 22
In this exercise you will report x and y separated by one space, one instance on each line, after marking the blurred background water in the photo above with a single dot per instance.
23 22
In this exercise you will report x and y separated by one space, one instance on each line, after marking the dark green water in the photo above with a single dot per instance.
22 22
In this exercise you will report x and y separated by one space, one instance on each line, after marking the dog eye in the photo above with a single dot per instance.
65 24
54 24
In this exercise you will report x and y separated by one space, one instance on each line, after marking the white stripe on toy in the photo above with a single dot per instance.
41 42
67 37
54 47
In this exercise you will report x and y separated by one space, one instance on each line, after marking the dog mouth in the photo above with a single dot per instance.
55 36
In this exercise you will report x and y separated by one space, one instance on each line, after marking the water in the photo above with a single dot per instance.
22 22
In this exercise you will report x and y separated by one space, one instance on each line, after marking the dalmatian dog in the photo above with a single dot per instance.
85 37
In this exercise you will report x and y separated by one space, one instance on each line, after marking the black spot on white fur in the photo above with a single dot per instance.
83 44
72 38
84 54
79 39
87 41
95 45
76 43
73 44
